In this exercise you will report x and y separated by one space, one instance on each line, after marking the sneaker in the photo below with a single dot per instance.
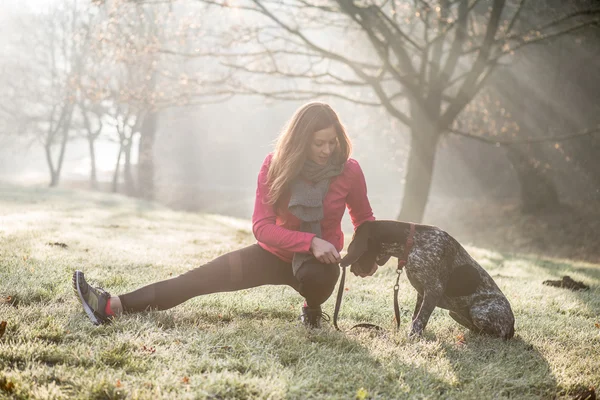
311 317
93 299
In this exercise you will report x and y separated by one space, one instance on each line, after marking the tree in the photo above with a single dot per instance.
97 67
422 61
141 80
92 114
49 66
547 92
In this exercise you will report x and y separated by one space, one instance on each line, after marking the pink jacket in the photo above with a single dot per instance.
282 236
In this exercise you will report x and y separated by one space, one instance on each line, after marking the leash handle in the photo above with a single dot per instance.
338 301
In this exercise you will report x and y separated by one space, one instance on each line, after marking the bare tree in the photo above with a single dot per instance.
97 67
48 68
423 61
141 80
92 115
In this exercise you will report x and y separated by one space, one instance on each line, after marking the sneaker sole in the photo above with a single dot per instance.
86 307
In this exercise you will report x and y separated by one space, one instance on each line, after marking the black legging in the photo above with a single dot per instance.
241 269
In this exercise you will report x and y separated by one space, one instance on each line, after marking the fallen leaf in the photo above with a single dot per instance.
586 394
226 348
6 385
9 300
59 244
460 339
149 349
2 328
346 289
597 324
361 394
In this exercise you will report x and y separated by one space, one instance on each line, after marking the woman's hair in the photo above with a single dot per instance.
294 142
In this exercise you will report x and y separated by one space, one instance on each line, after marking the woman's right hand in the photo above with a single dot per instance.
324 251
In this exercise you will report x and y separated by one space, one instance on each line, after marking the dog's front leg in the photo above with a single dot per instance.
429 301
417 306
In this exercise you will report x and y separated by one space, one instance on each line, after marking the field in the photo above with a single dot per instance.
249 344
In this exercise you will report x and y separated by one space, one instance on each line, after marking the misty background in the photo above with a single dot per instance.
181 101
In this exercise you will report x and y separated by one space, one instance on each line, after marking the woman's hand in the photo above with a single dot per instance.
324 251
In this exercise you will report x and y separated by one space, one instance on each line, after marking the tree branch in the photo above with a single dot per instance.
544 37
304 95
469 85
515 17
336 80
586 132
457 44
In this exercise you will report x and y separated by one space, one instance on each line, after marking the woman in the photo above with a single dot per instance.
303 189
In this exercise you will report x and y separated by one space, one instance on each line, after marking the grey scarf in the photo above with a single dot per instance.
306 202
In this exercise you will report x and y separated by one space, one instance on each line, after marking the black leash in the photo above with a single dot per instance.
396 291
338 300
338 303
340 293
401 264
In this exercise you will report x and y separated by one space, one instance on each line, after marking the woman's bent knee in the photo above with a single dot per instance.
317 281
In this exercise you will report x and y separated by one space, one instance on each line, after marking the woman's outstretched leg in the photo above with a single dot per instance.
241 269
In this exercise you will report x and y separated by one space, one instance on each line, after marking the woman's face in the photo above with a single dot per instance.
322 146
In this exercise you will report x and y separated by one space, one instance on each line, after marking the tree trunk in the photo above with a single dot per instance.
91 137
93 174
146 157
127 173
115 182
63 126
419 173
538 191
48 152
63 146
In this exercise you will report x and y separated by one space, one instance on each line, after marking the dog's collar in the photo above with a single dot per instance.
410 241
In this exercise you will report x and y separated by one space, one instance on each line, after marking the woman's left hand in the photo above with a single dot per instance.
365 274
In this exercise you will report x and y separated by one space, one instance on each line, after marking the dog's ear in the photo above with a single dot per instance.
381 261
359 244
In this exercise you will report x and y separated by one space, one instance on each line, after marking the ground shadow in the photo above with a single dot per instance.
507 366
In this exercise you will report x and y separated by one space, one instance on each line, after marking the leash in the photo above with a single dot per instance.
401 263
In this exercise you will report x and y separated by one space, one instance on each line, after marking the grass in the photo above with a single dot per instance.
249 344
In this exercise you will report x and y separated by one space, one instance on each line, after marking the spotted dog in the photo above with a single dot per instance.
441 271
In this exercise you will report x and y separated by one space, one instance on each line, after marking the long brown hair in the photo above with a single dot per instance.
294 141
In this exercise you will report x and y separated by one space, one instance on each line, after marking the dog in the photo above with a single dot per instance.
441 271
